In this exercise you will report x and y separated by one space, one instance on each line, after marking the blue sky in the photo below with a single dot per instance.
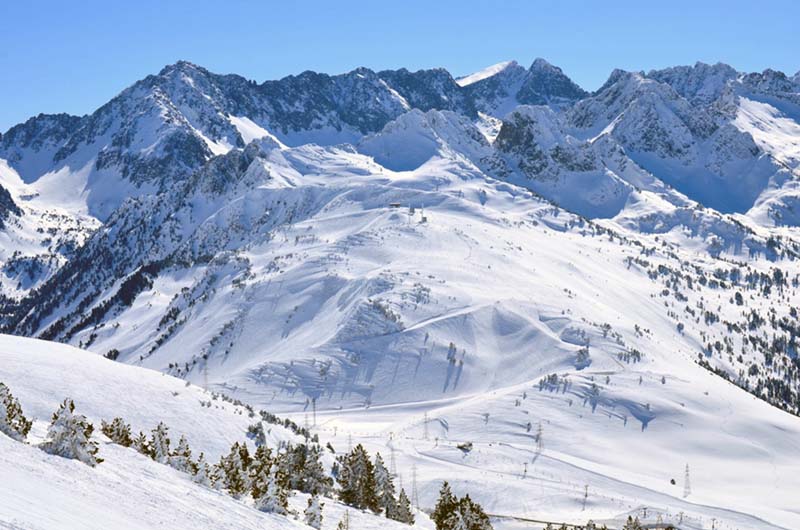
61 56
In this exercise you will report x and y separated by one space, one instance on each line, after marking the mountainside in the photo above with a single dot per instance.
129 490
423 261
500 88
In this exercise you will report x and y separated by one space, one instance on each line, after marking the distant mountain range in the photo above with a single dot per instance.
94 208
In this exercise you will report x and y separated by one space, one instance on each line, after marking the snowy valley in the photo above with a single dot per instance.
568 305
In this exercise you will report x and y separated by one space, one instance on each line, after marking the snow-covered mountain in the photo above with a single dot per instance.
500 88
425 261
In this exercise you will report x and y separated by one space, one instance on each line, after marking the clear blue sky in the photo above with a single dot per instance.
65 56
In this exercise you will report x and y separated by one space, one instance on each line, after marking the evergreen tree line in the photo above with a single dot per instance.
266 476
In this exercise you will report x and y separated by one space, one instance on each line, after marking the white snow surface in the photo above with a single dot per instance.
39 491
487 72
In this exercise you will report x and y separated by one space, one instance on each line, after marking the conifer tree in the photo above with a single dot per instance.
632 524
302 466
217 476
274 498
202 473
181 457
445 507
244 456
315 480
292 463
313 512
357 480
259 471
69 435
233 472
117 431
13 422
384 488
159 444
140 444
468 515
403 512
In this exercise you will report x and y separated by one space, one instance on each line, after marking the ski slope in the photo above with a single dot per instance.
128 490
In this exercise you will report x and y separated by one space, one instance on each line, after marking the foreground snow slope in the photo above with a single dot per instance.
740 476
127 491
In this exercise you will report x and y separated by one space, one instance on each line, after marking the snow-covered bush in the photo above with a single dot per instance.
159 444
69 435
181 457
274 498
13 422
117 431
140 444
202 474
313 512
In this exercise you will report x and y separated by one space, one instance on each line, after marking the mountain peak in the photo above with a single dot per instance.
547 84
181 66
769 80
543 64
701 83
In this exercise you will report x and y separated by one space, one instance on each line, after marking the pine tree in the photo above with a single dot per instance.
217 476
384 487
13 422
181 457
357 480
468 516
315 480
202 474
69 435
274 498
259 471
140 444
234 475
159 444
293 464
117 431
313 513
632 524
445 507
244 456
302 466
403 512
